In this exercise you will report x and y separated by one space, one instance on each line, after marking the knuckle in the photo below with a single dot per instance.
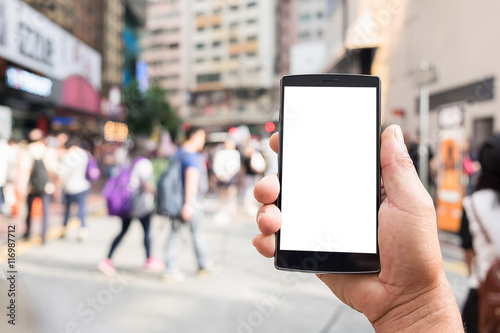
405 162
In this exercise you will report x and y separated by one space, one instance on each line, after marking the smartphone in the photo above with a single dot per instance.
329 172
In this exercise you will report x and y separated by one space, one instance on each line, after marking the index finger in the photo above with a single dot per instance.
267 189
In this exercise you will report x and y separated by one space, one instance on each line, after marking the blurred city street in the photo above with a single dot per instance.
61 289
138 108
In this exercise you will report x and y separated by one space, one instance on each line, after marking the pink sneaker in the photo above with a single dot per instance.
153 264
106 266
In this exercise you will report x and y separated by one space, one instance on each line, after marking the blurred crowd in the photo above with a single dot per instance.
64 169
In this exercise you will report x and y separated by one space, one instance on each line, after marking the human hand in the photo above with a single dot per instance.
187 213
411 292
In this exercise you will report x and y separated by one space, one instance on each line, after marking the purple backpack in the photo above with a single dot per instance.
117 193
93 172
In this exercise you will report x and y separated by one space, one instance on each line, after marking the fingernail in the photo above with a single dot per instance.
399 135
253 241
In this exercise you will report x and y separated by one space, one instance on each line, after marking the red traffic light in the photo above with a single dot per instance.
270 127
233 131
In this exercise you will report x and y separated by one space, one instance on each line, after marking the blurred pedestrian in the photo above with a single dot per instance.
226 167
4 169
192 215
255 165
60 147
414 152
75 185
142 189
41 166
9 191
471 167
480 222
270 157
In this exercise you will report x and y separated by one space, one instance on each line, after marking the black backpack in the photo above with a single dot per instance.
170 190
39 177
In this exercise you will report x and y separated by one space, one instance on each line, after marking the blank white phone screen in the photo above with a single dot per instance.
329 182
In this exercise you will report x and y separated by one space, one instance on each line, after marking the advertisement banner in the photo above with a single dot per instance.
31 40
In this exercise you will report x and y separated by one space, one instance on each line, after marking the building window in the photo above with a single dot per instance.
251 38
156 47
207 78
199 60
319 15
251 21
251 55
252 4
233 8
217 59
217 27
200 29
216 44
160 17
305 17
174 46
304 36
200 46
157 32
233 25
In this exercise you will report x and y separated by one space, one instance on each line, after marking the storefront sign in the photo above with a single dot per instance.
22 80
31 40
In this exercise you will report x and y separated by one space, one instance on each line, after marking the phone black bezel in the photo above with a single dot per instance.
317 261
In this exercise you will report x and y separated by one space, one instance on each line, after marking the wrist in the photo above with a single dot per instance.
433 311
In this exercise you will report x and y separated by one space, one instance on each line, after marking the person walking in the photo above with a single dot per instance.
192 168
254 165
142 188
4 170
480 222
76 186
40 163
226 167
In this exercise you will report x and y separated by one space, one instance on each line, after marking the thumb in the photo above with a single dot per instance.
403 187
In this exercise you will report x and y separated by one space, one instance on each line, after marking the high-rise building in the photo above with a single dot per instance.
216 58
167 48
301 35
233 62
135 20
112 47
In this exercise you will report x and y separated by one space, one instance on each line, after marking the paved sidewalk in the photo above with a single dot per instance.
61 290
95 206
